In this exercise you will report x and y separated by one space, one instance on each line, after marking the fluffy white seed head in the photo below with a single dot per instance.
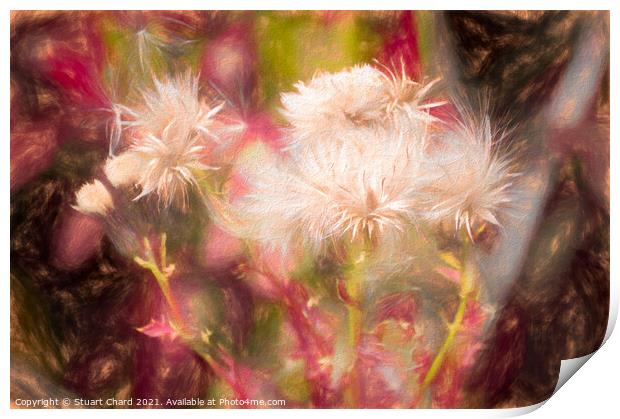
93 199
350 98
365 166
169 131
176 101
470 182
356 99
361 189
171 165
124 169
405 94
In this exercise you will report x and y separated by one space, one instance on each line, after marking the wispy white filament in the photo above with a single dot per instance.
470 181
169 132
356 99
371 162
174 101
364 188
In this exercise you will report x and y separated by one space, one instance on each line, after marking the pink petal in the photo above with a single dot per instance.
158 329
449 273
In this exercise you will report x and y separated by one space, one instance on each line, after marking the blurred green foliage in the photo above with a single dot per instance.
293 46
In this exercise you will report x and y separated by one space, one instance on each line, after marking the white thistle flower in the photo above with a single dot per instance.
170 165
405 94
169 131
359 98
174 101
470 181
93 199
345 99
167 166
357 190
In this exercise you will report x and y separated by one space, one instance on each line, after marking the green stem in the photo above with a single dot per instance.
182 329
354 282
453 328
164 283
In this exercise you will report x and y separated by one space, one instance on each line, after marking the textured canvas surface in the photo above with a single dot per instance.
311 209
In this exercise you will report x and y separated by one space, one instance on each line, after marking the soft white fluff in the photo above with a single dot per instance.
176 101
360 189
366 165
361 98
171 164
124 169
470 182
93 199
169 131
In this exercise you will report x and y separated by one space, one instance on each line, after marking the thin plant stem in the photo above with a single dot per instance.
162 251
354 282
354 288
163 281
455 325
164 286
182 329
